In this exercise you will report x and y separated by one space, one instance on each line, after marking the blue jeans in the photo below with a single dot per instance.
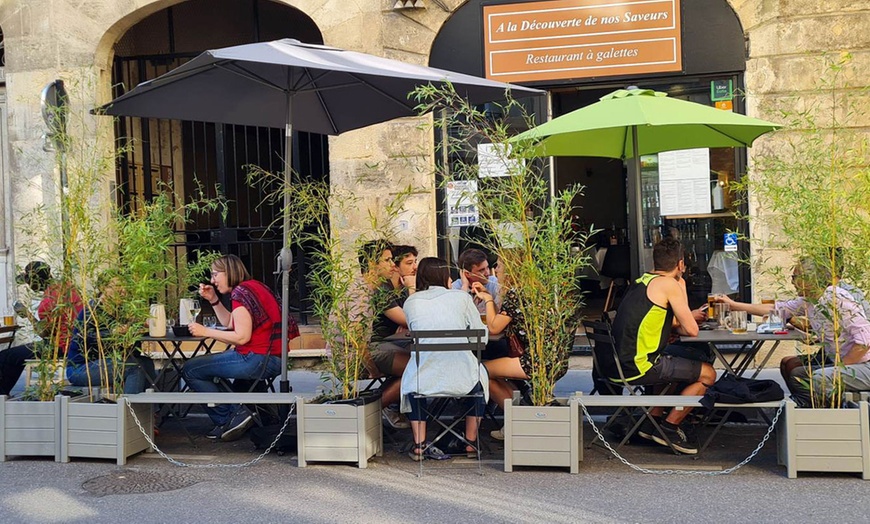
12 362
135 378
200 372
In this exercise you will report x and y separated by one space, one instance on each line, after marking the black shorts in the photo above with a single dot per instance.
671 369
495 349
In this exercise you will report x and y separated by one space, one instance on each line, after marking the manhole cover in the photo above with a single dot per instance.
132 481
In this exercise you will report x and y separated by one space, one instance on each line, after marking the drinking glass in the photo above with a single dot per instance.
209 321
721 311
195 308
736 322
775 320
711 301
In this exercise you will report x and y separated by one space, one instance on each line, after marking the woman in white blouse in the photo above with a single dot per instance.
436 306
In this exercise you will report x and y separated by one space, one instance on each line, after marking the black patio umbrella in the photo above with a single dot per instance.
289 84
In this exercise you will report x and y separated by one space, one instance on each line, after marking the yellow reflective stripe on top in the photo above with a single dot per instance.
649 334
646 278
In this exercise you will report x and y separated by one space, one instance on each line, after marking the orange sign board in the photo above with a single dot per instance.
562 39
724 105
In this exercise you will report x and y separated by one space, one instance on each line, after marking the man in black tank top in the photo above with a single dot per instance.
654 306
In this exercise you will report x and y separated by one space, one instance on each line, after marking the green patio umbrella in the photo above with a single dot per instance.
628 123
608 127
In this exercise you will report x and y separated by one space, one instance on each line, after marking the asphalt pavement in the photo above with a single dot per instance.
150 489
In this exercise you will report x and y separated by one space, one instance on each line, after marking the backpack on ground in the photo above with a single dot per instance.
263 436
738 390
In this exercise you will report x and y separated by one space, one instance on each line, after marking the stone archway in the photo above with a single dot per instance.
190 155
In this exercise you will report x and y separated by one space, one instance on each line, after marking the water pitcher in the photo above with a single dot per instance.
157 321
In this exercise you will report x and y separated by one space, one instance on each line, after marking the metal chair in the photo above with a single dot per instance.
7 336
453 340
605 362
262 384
617 267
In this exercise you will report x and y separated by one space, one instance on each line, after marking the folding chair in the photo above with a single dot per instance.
263 383
617 267
605 361
7 336
452 340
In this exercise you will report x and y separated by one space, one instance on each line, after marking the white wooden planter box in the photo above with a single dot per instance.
339 432
833 440
542 436
30 428
104 431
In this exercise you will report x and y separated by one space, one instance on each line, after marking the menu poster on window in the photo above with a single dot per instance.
684 182
494 160
462 203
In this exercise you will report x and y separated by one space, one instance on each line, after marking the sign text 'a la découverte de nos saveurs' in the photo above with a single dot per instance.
581 38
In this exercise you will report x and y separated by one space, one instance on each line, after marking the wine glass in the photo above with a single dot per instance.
195 308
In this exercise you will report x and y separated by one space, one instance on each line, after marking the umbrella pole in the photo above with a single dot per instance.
638 246
286 257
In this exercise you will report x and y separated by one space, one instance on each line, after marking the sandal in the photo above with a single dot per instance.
425 450
416 452
472 449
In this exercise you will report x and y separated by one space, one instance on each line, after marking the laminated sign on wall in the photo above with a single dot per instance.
494 160
462 203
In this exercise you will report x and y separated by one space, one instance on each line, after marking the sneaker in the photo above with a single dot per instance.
236 427
497 434
433 453
647 430
395 419
678 439
215 433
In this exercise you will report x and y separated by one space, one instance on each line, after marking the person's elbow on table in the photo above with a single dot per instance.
690 331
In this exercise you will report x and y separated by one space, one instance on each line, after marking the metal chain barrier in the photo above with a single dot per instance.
208 466
727 471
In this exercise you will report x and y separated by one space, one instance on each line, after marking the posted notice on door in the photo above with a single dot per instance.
684 182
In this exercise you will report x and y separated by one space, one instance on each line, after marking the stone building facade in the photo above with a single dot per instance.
49 39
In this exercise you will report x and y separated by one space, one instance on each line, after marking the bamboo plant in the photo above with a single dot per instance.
530 228
812 182
334 272
89 236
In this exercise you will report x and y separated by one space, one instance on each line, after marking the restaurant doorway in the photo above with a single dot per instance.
193 156
606 205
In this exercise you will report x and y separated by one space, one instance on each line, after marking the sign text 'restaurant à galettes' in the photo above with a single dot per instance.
562 39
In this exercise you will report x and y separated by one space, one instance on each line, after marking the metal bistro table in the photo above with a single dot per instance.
175 355
750 345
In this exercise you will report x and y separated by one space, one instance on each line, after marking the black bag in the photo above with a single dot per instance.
263 436
738 390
